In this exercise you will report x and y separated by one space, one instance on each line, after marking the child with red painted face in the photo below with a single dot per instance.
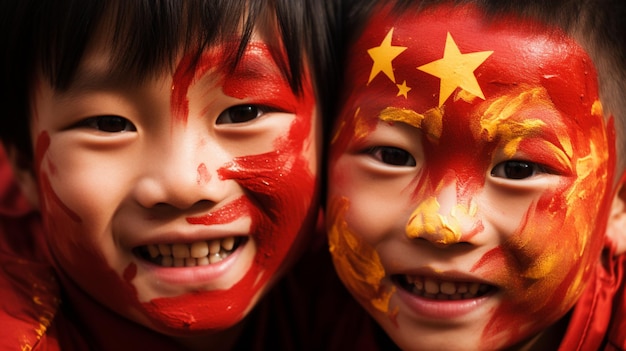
172 151
477 193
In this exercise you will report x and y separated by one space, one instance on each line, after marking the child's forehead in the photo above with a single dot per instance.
103 67
423 60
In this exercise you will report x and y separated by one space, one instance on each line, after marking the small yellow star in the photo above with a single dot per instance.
403 89
382 56
456 70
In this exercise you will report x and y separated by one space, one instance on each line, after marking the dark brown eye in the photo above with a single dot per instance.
515 170
239 114
392 156
108 124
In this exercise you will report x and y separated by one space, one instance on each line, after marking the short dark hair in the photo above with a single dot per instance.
599 26
52 36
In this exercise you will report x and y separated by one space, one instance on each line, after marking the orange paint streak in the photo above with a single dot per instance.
357 264
431 122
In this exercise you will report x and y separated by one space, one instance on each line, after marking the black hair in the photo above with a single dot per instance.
52 36
599 26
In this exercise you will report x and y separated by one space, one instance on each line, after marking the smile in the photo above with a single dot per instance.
431 288
199 253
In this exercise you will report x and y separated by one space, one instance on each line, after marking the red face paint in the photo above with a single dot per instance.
279 188
72 250
203 174
471 93
226 214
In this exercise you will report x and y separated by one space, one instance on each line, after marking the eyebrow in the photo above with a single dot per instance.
431 122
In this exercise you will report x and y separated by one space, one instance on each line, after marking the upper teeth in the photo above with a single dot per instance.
444 290
199 253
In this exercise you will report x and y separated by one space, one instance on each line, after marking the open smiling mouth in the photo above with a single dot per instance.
442 290
199 253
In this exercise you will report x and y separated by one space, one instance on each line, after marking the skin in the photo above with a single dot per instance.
472 167
179 162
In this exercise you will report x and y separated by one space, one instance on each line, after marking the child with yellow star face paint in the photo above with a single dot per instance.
477 193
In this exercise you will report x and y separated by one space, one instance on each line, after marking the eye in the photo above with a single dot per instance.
240 114
108 124
516 170
392 156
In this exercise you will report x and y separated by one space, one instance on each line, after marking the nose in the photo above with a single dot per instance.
442 219
182 175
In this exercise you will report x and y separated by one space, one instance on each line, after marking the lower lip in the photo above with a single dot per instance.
440 309
192 275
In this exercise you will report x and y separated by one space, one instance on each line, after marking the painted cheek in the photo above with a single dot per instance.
280 182
557 246
357 263
71 246
59 219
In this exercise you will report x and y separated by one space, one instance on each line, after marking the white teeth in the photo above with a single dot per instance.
165 250
215 258
199 249
444 290
214 246
180 251
447 288
431 287
199 253
228 243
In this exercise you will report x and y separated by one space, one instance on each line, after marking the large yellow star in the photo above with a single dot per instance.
382 56
456 70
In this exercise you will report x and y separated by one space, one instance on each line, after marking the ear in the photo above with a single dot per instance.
24 175
616 227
